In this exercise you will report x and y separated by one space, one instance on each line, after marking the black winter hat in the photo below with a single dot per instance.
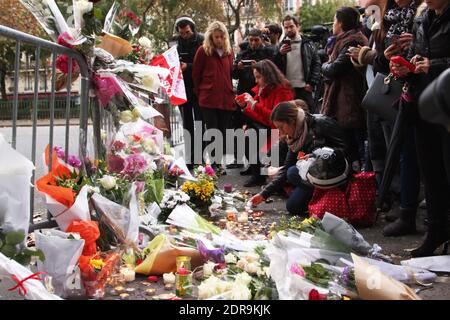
329 170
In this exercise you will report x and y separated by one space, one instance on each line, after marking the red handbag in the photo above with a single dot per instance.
354 203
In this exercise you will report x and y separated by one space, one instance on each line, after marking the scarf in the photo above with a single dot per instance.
296 142
400 19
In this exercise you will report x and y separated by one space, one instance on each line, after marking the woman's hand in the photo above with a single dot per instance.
256 200
249 99
353 52
422 64
405 41
392 50
398 70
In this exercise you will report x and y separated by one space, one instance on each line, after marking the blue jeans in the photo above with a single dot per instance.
297 203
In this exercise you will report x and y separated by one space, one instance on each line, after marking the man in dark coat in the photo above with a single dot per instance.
188 42
298 59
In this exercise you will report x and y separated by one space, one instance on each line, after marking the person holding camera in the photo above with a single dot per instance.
430 55
298 59
188 41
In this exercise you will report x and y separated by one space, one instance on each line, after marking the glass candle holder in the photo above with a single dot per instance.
184 262
183 284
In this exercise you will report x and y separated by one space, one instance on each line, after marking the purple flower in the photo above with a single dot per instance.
135 165
215 255
59 152
345 275
74 161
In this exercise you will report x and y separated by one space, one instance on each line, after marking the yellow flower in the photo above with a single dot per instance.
97 263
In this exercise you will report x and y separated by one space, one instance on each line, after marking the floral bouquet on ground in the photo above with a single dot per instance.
200 193
170 200
95 271
65 188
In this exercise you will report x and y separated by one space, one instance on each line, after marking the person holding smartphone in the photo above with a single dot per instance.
188 41
298 59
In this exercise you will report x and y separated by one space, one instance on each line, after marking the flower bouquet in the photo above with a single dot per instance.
200 193
171 200
65 188
95 271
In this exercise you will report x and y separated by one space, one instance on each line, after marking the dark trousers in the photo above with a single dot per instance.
409 171
299 199
354 139
190 112
433 146
301 93
217 119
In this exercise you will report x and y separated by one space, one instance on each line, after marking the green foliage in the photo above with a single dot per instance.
11 247
317 274
322 12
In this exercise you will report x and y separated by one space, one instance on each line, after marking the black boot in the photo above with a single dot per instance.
246 172
405 224
431 243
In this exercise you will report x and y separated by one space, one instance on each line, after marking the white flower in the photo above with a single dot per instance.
252 268
240 292
83 6
152 166
145 42
208 288
151 82
230 258
242 264
169 278
126 116
208 268
243 278
108 182
136 113
249 256
150 145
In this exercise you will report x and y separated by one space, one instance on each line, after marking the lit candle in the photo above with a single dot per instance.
128 274
169 278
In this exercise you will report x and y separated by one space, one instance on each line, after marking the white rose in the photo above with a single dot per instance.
108 182
83 6
243 278
230 258
260 272
251 256
240 292
151 82
126 116
150 145
251 268
208 268
242 264
145 42
205 291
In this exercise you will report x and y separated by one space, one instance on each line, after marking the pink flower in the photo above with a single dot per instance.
115 164
209 171
140 186
117 146
74 161
135 165
296 269
59 152
62 64
315 295
63 40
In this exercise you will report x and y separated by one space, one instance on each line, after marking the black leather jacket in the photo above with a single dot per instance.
431 39
245 76
187 50
310 58
323 131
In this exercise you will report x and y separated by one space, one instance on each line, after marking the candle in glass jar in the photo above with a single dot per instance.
128 274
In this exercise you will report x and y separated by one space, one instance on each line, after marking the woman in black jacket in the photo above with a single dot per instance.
303 133
430 52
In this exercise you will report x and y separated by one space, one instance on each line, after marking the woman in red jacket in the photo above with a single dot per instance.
211 73
271 89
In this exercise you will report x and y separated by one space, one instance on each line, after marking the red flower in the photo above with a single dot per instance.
139 261
315 295
62 64
152 279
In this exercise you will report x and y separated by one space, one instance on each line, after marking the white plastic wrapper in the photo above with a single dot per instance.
61 259
15 176
436 264
78 211
35 290
405 274
303 167
345 233
127 220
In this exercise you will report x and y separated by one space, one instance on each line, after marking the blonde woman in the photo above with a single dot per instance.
212 68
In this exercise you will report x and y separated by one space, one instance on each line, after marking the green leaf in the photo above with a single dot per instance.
15 237
9 250
23 259
36 253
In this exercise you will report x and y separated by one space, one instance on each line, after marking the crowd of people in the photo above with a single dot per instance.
278 70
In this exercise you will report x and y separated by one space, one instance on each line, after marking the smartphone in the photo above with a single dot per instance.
286 41
247 62
402 61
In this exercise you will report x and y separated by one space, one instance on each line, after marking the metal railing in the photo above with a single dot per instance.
55 50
